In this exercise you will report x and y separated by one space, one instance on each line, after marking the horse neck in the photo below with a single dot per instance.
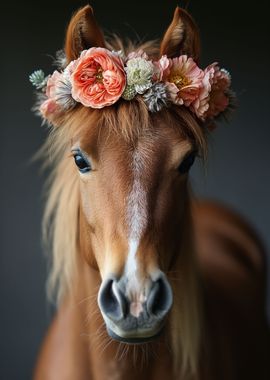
150 361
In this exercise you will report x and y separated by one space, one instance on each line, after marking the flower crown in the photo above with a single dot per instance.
100 77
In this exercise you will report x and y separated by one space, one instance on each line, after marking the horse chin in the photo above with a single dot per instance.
135 338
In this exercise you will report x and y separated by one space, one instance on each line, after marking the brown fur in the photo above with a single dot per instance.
83 32
217 327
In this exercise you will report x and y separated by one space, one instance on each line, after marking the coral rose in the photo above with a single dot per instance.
98 79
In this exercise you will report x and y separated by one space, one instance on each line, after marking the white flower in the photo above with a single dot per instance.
139 74
119 53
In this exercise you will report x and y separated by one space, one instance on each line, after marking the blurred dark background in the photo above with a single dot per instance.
233 32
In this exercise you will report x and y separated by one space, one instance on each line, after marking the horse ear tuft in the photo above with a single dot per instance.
181 37
83 32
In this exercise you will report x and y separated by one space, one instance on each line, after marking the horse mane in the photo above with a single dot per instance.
61 216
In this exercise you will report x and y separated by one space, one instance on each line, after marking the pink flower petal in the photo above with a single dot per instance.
48 108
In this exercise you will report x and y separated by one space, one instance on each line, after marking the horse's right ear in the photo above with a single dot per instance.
83 33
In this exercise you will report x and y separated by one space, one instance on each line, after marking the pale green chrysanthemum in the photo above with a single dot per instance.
129 92
139 74
38 79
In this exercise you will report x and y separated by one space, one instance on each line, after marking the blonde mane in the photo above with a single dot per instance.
61 217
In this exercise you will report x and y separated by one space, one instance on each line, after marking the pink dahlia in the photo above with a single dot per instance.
98 79
218 98
184 80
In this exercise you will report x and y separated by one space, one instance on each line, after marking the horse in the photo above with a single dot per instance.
151 283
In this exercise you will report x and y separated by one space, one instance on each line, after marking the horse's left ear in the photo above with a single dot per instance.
83 32
181 37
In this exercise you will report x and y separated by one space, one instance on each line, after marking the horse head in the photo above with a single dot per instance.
120 194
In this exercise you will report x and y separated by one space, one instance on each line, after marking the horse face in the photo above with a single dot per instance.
134 197
134 194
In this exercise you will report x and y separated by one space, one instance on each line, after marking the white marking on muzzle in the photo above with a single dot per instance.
131 264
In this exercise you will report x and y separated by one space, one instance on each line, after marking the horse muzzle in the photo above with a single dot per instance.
135 316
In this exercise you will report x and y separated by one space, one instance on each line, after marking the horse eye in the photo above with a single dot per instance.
187 163
81 163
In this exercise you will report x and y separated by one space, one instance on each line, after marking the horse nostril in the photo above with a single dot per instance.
160 298
111 301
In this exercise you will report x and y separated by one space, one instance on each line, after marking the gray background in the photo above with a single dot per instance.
233 32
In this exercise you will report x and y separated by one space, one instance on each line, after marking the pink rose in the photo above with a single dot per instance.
218 98
52 83
98 79
137 54
184 80
48 108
